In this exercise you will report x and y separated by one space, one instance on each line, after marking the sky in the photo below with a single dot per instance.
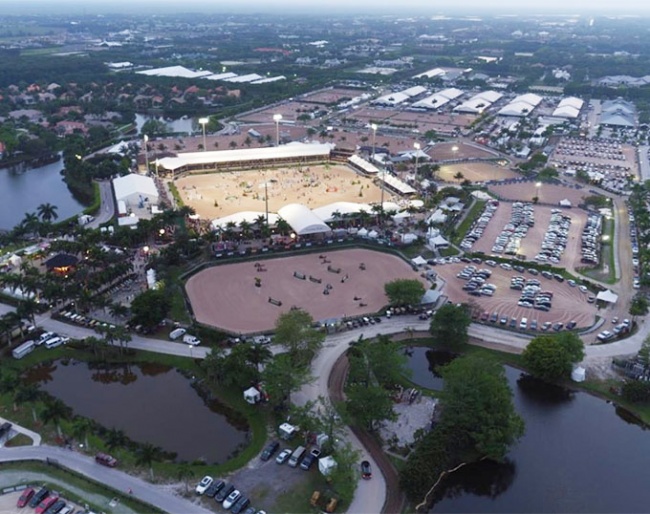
301 6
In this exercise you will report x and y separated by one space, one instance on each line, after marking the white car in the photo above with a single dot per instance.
203 485
191 340
231 499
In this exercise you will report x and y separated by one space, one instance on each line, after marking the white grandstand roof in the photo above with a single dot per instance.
251 77
303 220
414 91
397 184
269 79
248 216
176 71
452 93
529 98
221 76
294 150
516 109
432 102
134 184
363 164
391 99
566 111
326 212
572 101
435 72
490 96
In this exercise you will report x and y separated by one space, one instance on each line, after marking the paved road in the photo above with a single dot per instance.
157 496
107 206
644 162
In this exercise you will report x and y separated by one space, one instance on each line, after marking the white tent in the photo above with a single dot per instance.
578 374
373 234
419 260
252 395
302 219
565 203
607 296
362 232
15 260
287 431
326 465
409 238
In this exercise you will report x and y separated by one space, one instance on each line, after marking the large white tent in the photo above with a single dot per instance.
247 216
327 212
133 189
303 220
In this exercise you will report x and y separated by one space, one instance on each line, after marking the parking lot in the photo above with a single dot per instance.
568 303
531 244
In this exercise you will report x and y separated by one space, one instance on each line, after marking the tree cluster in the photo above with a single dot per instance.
551 357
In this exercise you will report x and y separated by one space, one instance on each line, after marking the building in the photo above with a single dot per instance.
135 195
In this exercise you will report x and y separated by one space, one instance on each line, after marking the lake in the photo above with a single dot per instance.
579 454
22 192
150 403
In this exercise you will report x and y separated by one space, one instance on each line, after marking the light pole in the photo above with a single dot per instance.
277 118
146 152
537 186
203 122
373 126
417 147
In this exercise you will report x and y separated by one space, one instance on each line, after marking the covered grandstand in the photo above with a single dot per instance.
293 153
395 184
360 164
568 108
521 106
438 99
250 217
303 220
339 210
479 102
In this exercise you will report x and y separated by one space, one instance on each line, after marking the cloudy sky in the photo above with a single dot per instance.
403 6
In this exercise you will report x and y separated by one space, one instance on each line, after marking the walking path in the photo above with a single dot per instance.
35 437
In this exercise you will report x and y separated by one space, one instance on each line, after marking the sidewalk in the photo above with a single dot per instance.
36 438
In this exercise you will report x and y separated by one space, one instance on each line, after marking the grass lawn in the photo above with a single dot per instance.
464 226
296 500
606 271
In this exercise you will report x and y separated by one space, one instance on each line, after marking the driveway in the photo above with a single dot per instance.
107 205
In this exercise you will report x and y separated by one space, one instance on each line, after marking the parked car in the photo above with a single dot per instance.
214 488
39 497
307 462
106 460
46 504
55 507
231 499
203 485
283 456
224 493
270 449
26 495
240 505
366 470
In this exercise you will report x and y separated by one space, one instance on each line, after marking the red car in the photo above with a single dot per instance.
25 497
106 460
46 504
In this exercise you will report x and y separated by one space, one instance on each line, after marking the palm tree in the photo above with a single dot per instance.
55 411
283 226
81 427
185 472
146 455
27 394
245 228
47 212
115 438
30 223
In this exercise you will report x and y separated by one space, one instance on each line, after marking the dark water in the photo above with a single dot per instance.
22 192
579 454
424 362
150 403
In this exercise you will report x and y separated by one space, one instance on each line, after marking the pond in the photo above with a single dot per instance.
23 191
150 403
579 454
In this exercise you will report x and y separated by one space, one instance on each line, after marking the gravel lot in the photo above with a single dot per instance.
547 193
410 419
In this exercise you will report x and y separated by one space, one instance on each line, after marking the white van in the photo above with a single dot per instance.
296 456
20 351
176 333
53 342
191 340
523 324
44 337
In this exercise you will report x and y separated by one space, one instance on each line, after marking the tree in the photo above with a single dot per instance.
449 325
282 378
551 357
368 405
150 308
404 291
638 307
185 473
47 212
55 411
27 393
477 421
146 454
81 427
294 331
115 438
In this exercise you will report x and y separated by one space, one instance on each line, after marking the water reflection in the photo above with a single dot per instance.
150 403
425 363
487 478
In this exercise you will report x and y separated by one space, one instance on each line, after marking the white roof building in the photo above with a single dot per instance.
133 189
391 99
435 72
568 108
247 216
414 91
521 106
302 220
176 71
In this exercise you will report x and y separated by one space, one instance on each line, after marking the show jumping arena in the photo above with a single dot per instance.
219 194
227 297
